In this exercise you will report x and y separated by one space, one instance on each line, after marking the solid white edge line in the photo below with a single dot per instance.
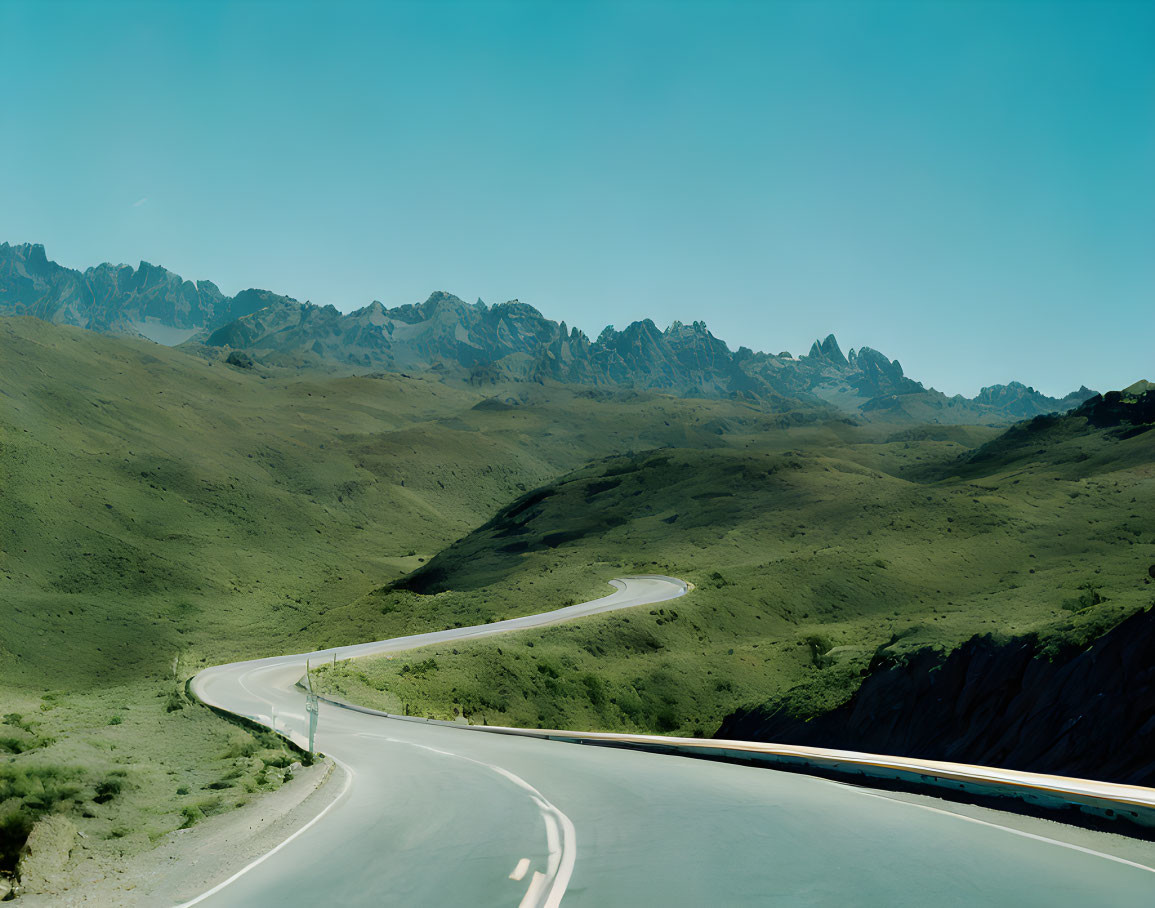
568 858
1019 832
569 847
268 854
519 871
552 842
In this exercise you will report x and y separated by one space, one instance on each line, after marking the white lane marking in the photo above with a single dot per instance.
552 841
519 870
401 644
552 837
533 893
268 854
568 858
557 825
1012 831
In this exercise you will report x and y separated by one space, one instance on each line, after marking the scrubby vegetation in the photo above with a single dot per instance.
808 566
163 511
125 784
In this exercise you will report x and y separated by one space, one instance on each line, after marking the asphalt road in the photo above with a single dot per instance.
435 815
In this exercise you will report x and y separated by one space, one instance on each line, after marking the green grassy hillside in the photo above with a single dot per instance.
806 564
161 511
160 501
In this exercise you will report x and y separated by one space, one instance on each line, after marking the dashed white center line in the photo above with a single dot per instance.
561 838
520 869
533 893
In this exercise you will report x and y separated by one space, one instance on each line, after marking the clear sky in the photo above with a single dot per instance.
968 187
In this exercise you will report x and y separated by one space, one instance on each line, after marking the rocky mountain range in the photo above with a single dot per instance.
116 299
489 345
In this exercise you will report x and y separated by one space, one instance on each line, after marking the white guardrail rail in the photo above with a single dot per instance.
1037 792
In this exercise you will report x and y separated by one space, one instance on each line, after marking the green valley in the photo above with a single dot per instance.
164 510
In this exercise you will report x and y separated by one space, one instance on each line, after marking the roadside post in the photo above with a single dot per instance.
312 707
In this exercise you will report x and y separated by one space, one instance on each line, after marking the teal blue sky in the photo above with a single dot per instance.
968 187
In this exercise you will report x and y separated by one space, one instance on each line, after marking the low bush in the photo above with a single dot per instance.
26 794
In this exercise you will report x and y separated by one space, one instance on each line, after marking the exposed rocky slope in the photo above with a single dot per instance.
1038 702
818 558
1085 713
492 344
1087 438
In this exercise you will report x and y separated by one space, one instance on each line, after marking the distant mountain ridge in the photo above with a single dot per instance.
484 344
514 342
114 299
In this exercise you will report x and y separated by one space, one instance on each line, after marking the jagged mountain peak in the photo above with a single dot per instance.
828 350
115 299
516 307
695 327
441 299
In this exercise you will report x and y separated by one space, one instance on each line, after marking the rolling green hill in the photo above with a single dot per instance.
808 565
145 488
161 511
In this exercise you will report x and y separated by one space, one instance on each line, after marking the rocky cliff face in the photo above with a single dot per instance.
1085 713
487 344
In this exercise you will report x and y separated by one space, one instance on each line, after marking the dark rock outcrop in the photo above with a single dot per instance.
1117 416
1087 713
240 359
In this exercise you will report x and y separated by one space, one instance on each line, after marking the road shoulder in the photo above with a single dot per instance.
191 861
1123 847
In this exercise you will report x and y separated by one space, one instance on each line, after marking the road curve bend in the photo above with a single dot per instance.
433 816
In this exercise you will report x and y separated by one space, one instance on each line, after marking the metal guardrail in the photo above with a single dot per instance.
1128 809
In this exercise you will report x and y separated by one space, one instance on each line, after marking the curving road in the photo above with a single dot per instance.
436 815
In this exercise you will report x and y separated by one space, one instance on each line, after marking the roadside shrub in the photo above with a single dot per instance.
14 745
211 806
108 788
1089 596
420 668
26 794
242 746
16 720
819 647
595 689
666 719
